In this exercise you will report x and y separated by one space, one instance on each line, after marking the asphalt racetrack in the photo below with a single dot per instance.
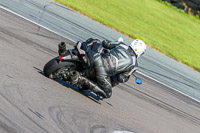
32 103
76 27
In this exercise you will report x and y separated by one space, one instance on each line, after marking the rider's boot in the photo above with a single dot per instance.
92 86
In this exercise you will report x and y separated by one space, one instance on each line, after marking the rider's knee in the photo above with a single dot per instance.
109 94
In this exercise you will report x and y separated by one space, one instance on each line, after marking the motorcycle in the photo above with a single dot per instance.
73 65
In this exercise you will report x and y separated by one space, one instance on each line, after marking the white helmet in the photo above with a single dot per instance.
139 47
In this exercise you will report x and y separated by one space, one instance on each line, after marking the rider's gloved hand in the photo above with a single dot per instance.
89 41
124 77
105 42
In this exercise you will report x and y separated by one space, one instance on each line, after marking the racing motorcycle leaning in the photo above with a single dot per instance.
75 66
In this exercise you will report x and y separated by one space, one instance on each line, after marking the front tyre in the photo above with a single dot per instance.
54 67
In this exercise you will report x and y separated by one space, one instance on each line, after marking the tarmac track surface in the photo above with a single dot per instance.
32 103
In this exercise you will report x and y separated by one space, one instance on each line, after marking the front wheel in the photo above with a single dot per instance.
54 68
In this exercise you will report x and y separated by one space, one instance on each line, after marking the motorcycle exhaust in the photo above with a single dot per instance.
62 48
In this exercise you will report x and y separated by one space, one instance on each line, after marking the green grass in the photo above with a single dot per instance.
160 25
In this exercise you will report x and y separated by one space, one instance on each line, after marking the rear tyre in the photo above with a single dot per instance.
53 66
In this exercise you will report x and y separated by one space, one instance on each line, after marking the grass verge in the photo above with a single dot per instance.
161 26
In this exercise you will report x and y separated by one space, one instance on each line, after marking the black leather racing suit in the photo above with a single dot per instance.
120 61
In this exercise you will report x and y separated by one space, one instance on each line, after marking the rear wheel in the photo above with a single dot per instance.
55 68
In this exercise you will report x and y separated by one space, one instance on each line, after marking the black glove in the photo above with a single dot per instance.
88 41
124 77
105 42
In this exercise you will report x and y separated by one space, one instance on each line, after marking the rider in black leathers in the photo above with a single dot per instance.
114 66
